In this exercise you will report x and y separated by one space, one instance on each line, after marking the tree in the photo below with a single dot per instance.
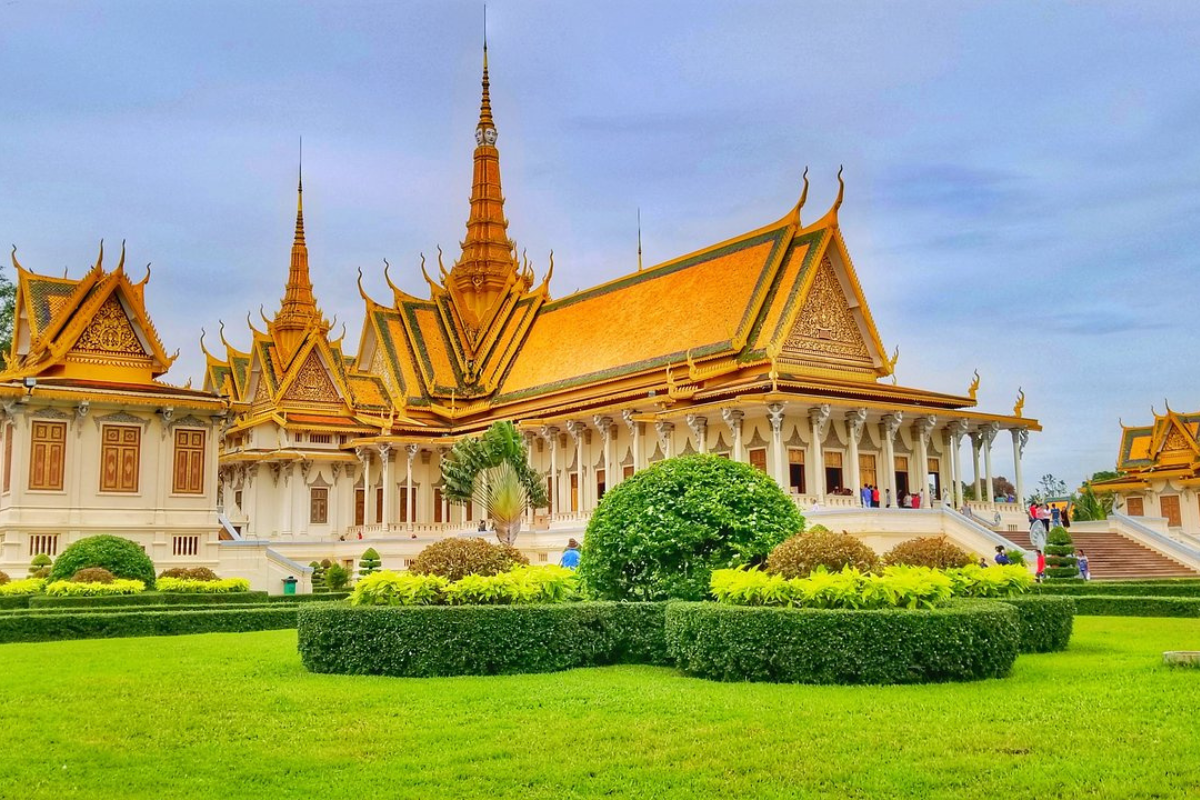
1060 555
493 470
370 562
8 299
1048 487
1088 505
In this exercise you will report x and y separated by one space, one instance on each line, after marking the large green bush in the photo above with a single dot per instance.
102 625
1060 555
661 533
121 557
426 641
454 559
805 552
968 640
937 552
1045 622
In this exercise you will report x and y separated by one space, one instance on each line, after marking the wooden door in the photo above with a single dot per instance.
574 491
1134 508
1169 503
360 507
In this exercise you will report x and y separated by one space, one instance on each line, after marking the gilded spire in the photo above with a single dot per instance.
487 264
298 310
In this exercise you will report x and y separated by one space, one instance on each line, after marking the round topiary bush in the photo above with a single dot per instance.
93 575
3 578
121 557
661 533
804 552
1060 555
40 566
455 558
369 563
190 574
936 552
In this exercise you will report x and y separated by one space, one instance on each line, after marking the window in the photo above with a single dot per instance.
47 445
185 545
43 543
1169 505
120 450
550 495
437 504
574 491
1133 507
378 505
412 494
834 481
360 507
318 505
866 470
758 458
320 438
237 498
796 470
8 434
600 486
189 462
627 472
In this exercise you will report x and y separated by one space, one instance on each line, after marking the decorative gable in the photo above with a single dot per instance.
312 383
110 333
826 329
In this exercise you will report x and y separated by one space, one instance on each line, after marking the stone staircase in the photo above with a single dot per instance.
1112 556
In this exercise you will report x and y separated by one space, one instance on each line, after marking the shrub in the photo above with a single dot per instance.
369 563
318 577
337 577
147 599
121 557
3 578
968 640
897 587
41 562
804 552
662 532
93 575
192 586
96 625
1115 606
190 574
456 558
325 597
426 641
388 588
937 552
23 587
549 584
1060 555
1045 622
974 581
72 589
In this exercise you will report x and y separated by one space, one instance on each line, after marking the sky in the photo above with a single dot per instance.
1022 178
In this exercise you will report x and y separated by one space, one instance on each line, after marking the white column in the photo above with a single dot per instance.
576 429
635 437
389 484
666 433
733 418
699 426
775 415
819 417
855 422
364 456
976 441
891 424
956 429
922 428
989 433
411 451
550 434
605 426
1020 437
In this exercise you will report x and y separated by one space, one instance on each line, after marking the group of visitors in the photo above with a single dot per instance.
871 498
1081 559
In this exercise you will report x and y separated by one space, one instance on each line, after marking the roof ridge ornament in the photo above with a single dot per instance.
799 205
841 188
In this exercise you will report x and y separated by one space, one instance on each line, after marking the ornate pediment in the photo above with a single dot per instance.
120 418
312 383
110 333
826 326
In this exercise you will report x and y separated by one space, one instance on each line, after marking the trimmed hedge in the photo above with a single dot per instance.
148 598
967 640
1110 606
1123 588
42 611
307 598
427 641
1046 622
98 625
14 601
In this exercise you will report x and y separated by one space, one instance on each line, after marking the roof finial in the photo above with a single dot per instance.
16 264
841 189
299 239
803 195
639 238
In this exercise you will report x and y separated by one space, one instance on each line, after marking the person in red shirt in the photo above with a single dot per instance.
875 496
1041 566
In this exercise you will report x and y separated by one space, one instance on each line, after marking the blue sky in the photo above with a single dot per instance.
1023 179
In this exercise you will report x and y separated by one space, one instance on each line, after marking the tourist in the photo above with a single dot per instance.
983 562
1055 517
1043 515
865 494
1041 567
1085 571
570 557
906 500
916 500
887 497
1033 509
1066 517
1001 557
875 497
483 526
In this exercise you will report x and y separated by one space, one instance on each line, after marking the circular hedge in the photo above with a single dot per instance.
966 640
453 559
1046 621
660 533
804 552
121 557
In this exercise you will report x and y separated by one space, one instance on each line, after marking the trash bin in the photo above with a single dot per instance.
289 585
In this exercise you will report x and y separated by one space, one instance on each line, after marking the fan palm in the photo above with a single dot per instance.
493 470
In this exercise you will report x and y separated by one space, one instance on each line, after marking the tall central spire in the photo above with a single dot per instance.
298 311
487 264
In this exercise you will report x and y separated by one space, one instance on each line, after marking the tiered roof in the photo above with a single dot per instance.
1168 448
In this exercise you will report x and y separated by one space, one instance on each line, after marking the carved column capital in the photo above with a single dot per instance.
630 422
819 417
576 428
549 433
698 424
856 420
988 432
664 429
891 424
411 451
1020 438
923 426
733 418
775 415
604 425
384 449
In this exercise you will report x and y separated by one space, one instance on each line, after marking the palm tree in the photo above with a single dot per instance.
493 470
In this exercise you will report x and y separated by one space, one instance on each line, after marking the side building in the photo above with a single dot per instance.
93 442
760 348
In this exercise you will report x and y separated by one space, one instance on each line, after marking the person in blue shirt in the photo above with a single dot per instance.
1001 556
570 556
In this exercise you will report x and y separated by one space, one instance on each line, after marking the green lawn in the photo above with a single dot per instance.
236 716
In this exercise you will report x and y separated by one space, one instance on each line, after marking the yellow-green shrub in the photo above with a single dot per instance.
72 589
23 586
191 586
805 552
897 587
390 588
549 584
998 581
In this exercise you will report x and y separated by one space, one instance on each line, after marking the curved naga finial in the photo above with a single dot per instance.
204 349
892 364
424 274
173 357
263 314
549 273
121 261
973 389
442 267
146 279
16 264
388 277
841 189
1153 413
1167 405
803 194
250 323
100 258
225 341
361 291
1020 404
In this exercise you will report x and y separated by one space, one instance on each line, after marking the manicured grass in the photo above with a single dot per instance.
237 716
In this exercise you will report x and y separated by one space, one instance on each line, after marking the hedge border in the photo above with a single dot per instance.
1121 588
1046 621
104 625
307 598
966 640
142 609
14 601
430 641
1131 606
149 599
